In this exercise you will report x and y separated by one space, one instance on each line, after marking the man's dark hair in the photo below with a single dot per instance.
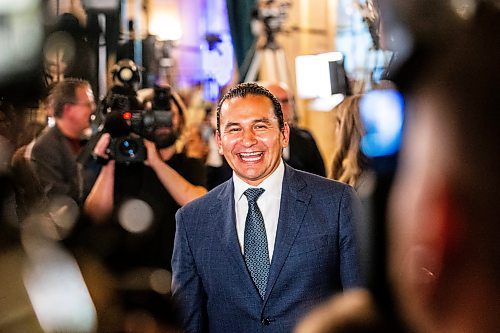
250 88
64 92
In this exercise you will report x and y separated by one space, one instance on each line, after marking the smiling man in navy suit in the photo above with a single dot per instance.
260 250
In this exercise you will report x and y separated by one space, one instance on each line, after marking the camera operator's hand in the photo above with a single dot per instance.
99 203
153 156
100 149
179 188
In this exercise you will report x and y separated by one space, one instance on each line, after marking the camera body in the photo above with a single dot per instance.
140 124
129 127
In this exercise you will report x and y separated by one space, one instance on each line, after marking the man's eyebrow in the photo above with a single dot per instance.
231 123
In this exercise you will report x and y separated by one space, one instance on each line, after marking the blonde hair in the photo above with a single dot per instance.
348 160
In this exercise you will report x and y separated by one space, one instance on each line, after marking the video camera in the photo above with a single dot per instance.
128 127
272 13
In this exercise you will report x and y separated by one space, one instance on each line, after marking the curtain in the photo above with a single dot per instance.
239 14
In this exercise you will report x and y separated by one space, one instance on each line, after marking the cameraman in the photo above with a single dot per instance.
158 186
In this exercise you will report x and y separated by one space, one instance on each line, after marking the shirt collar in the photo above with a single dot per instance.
272 184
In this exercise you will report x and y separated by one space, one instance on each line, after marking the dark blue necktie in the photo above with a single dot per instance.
255 242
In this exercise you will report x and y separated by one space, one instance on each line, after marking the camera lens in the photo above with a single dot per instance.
128 148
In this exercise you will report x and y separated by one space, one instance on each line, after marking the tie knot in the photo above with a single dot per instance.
253 194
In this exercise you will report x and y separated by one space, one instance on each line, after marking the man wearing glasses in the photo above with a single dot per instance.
55 153
302 152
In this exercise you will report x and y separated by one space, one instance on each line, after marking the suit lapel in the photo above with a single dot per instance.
294 203
223 212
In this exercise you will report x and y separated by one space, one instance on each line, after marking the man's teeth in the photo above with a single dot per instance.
250 156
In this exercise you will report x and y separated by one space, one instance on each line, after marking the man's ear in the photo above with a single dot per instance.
219 142
286 135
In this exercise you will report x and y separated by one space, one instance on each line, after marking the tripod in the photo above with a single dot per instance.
270 57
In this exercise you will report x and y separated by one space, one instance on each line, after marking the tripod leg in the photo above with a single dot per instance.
268 69
254 67
281 68
274 66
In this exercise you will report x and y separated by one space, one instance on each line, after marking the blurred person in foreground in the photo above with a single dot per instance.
260 250
443 256
302 152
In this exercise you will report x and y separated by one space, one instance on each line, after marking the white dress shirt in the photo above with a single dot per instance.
269 205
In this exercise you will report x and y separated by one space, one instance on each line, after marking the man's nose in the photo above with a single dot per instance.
249 137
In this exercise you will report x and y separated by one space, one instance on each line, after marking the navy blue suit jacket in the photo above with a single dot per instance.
315 255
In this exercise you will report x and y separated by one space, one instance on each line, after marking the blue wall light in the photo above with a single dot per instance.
217 49
217 63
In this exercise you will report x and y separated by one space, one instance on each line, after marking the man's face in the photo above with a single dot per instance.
83 107
250 138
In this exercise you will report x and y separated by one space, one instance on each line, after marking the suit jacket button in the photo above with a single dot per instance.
266 321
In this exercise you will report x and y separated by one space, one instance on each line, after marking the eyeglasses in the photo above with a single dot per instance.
285 100
90 105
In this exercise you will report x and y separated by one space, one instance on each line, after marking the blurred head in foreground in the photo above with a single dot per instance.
444 258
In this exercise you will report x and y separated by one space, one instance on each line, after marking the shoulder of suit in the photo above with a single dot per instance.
209 198
314 180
